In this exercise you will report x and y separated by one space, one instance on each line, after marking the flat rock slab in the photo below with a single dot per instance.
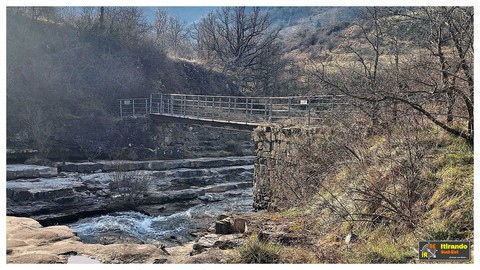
226 187
84 167
30 243
42 188
81 260
223 242
159 165
16 171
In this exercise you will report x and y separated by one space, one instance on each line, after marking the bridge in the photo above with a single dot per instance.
231 112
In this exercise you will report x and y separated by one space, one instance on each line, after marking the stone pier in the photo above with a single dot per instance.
273 144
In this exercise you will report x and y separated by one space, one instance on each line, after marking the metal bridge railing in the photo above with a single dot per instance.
308 109
134 107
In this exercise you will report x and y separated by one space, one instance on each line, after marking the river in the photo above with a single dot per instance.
169 229
183 197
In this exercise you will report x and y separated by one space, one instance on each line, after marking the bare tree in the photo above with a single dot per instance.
176 34
454 28
113 26
161 26
359 78
172 35
40 130
237 39
428 83
205 37
127 22
270 71
445 74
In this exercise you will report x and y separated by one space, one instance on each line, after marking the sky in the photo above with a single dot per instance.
186 14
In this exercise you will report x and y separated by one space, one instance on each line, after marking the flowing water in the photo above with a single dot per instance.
197 191
169 229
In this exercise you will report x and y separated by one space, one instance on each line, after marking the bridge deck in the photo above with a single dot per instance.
216 123
236 112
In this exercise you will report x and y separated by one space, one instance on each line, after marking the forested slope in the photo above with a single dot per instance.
63 73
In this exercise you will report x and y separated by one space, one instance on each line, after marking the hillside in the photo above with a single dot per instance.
311 17
282 16
81 64
371 205
70 59
64 71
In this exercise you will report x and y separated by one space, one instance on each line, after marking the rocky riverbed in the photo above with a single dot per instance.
73 191
183 199
28 242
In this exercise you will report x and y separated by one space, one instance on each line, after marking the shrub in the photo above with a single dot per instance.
254 251
128 187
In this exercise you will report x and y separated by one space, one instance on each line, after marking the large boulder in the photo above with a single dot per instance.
224 226
240 225
229 225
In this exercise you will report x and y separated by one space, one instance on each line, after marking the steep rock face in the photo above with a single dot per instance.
52 199
16 151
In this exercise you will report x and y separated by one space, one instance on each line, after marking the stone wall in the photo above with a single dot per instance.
142 139
273 144
134 139
178 140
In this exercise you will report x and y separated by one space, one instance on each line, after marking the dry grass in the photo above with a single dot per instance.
423 170
255 251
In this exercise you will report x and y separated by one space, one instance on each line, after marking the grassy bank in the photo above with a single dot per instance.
370 198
